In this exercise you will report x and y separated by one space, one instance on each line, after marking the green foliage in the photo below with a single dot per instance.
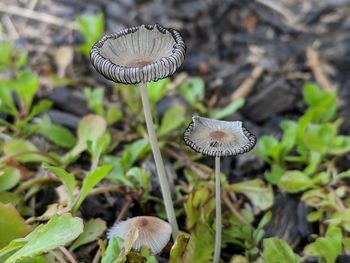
9 177
308 143
59 231
278 250
92 179
91 27
92 230
327 248
258 193
12 225
114 247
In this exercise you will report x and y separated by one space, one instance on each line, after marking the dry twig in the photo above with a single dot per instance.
248 84
34 15
313 61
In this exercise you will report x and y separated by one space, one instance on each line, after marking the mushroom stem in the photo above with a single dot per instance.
218 211
163 181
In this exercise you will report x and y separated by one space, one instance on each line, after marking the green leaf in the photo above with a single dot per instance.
267 148
55 133
59 231
289 136
228 110
294 181
277 251
114 114
173 118
6 55
95 100
99 146
192 90
92 179
7 104
9 177
327 248
12 225
91 127
113 250
92 230
91 26
24 151
140 178
179 248
157 89
275 174
258 193
68 180
26 85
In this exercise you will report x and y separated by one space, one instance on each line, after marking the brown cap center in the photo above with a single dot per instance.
217 135
141 222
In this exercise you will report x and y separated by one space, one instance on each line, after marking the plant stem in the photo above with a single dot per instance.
218 211
163 181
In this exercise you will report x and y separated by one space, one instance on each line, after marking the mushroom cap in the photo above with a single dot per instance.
218 138
152 232
139 54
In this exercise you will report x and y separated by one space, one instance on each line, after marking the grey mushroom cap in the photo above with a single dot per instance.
139 54
218 138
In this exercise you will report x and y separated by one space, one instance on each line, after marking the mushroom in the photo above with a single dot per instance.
218 138
143 231
138 55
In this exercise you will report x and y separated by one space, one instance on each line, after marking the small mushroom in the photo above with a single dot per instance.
138 55
143 231
218 138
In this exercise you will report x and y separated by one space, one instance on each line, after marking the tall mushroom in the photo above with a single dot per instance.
138 55
218 138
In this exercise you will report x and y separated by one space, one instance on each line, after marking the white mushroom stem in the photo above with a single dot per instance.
163 181
218 211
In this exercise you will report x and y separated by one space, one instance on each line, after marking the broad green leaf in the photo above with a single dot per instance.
275 174
192 90
146 253
114 114
55 133
59 231
9 177
259 194
157 89
92 179
5 55
327 248
133 152
12 225
114 248
267 148
91 26
294 181
277 251
228 110
95 100
173 118
289 136
26 85
7 104
179 248
68 180
38 259
91 127
92 230
24 151
99 146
